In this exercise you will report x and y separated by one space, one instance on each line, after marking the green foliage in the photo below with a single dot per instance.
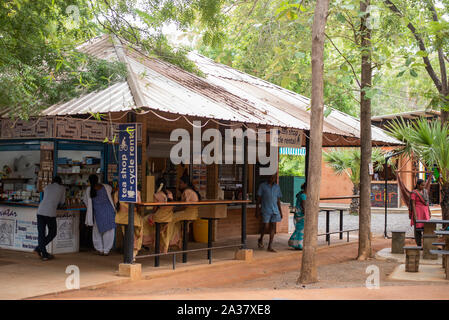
271 39
39 65
25 90
347 161
427 141
290 165
141 23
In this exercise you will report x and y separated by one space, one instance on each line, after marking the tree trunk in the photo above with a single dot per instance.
354 207
441 85
365 251
308 264
444 115
445 201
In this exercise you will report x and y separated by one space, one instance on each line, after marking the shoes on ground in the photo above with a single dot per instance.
38 252
47 256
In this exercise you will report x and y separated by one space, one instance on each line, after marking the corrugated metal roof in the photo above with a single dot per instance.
408 115
115 98
292 103
225 94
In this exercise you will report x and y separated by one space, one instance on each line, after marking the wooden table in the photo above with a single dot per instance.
329 209
185 203
340 198
184 223
429 236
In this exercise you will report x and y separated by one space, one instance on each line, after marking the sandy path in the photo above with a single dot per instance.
259 274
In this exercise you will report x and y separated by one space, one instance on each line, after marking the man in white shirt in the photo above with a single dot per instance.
54 195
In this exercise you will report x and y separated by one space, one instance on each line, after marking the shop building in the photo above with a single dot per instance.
161 98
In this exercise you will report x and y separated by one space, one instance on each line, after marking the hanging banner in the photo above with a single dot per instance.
128 162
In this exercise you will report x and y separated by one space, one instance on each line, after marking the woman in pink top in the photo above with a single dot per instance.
420 208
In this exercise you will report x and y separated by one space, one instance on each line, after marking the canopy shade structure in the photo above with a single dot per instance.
383 121
225 94
292 151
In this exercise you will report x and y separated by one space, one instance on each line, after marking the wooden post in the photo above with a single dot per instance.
143 160
128 252
244 190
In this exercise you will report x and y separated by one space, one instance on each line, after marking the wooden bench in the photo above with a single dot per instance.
445 256
429 236
412 255
438 244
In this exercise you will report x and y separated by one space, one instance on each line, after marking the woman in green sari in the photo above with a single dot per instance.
297 237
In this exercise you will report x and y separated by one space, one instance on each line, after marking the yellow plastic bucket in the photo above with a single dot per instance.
200 231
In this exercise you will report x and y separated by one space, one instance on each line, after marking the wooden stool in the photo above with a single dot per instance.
412 255
397 241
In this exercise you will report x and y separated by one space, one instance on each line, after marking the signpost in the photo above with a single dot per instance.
128 180
290 138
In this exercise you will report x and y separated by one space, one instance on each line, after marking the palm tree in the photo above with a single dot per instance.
347 161
428 142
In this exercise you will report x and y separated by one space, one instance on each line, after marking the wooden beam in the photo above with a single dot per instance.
131 76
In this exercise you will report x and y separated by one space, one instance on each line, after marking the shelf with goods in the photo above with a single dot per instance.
45 173
230 179
75 175
199 178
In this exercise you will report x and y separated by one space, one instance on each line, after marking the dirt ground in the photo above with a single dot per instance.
337 269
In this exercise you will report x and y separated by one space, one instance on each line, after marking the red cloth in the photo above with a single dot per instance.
421 209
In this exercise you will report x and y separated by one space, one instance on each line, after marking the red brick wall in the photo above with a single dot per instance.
231 226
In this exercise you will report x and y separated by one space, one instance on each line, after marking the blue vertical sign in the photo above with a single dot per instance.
127 162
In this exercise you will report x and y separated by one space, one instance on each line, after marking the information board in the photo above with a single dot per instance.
128 162
378 195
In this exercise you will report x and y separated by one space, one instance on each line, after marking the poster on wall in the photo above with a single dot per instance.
65 231
67 238
128 162
26 233
7 232
378 195
18 228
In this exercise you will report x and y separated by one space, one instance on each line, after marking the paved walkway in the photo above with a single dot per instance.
230 275
23 275
397 219
431 292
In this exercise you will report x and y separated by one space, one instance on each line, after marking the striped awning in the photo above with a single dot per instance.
293 151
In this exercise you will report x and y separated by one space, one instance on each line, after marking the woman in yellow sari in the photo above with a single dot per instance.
163 214
121 219
189 194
